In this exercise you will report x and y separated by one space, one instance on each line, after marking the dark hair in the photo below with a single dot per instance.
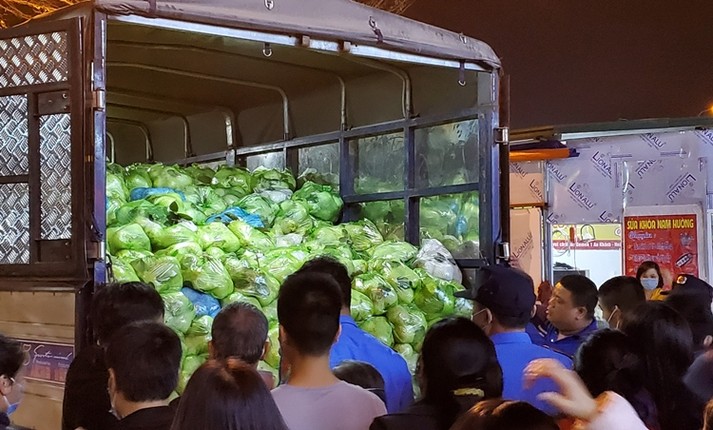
145 357
584 292
335 269
308 309
510 321
361 374
662 339
624 292
696 309
647 265
498 414
240 331
458 356
607 361
227 395
116 305
12 357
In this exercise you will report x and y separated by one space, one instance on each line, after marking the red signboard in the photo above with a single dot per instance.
669 240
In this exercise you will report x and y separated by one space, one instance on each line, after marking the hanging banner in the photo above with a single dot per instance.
670 240
527 183
526 242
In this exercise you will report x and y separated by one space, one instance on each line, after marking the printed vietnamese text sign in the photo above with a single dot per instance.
669 240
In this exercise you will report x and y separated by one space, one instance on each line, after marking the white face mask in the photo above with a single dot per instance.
649 283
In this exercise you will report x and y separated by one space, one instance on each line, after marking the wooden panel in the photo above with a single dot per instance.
42 317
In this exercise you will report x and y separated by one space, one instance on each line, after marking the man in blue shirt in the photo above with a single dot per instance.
570 316
504 304
356 344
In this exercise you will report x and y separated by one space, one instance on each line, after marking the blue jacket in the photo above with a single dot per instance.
356 344
515 351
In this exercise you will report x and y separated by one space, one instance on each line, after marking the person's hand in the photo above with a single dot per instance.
573 399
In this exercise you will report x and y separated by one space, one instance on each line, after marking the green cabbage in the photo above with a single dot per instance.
179 311
409 323
404 280
207 274
140 209
116 187
217 234
394 251
179 233
130 236
380 328
361 306
330 235
235 178
252 283
238 296
382 295
200 174
283 262
293 217
198 336
435 297
322 201
164 273
258 205
123 272
409 354
270 311
249 236
272 358
137 176
170 177
363 235
206 200
128 256
271 179
181 249
190 364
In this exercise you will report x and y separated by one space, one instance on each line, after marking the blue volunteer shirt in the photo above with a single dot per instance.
356 344
546 335
515 351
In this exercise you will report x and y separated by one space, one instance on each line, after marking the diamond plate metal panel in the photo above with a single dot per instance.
36 59
55 177
13 135
14 224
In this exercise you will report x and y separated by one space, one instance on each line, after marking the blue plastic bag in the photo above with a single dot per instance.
231 214
204 303
142 193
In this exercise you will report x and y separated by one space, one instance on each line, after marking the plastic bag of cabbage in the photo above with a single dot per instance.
159 234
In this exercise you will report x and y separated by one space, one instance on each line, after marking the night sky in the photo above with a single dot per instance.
588 61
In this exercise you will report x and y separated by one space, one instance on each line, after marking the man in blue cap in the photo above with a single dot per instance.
504 304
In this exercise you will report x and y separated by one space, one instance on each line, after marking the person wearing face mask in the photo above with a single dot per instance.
649 275
617 297
503 306
143 360
12 360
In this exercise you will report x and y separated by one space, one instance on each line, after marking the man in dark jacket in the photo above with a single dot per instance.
86 401
143 361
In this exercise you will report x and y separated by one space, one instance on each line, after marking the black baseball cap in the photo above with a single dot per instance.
692 285
505 291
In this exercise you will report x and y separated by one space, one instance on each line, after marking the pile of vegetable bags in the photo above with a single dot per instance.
206 238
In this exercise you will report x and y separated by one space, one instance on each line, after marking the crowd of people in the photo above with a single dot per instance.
631 354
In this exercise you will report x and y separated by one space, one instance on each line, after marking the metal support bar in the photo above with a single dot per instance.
187 148
231 125
183 48
411 194
112 147
144 130
400 73
283 94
